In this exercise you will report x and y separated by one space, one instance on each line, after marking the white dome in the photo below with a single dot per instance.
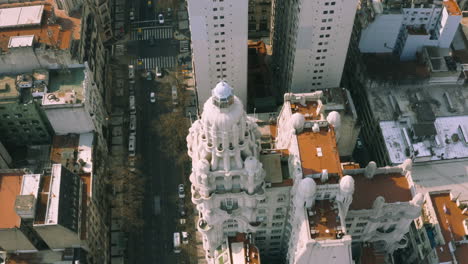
297 121
347 184
307 187
222 90
334 119
250 164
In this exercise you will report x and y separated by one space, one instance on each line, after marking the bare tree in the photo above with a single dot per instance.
173 128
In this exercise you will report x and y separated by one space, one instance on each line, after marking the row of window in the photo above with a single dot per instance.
260 238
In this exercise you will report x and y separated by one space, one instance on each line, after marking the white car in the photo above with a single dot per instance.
132 15
184 237
181 191
152 97
161 19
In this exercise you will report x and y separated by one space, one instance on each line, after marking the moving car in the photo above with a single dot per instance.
149 76
161 19
181 191
131 73
152 97
132 15
181 208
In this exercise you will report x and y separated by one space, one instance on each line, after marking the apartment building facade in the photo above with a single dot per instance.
310 41
219 30
259 18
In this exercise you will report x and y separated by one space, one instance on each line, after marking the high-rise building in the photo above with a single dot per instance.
219 45
310 41
278 178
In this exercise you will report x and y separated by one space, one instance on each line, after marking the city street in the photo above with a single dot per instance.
154 244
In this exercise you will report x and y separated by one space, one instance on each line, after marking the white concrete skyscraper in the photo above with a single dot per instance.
310 42
227 177
219 45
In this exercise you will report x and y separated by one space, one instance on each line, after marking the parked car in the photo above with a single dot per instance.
181 208
132 15
152 97
185 238
181 191
149 76
161 19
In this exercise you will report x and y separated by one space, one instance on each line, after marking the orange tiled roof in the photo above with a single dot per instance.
451 225
452 7
10 187
310 144
56 35
393 187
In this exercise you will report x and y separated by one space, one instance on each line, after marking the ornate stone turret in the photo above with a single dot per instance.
227 177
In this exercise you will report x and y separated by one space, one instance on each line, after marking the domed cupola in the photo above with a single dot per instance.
222 95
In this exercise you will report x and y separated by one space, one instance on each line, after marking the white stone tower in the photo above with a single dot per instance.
227 177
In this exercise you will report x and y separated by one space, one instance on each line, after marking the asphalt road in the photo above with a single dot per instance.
154 243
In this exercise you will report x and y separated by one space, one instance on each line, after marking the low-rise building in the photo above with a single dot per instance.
442 67
22 121
33 37
405 27
73 103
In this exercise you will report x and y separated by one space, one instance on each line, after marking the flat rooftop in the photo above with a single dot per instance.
318 151
450 142
74 152
21 16
8 89
407 96
451 222
393 187
57 34
241 249
21 41
10 187
65 87
324 220
442 176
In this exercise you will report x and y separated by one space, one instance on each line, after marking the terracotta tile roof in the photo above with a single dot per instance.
452 7
10 187
451 224
350 166
57 35
254 254
393 187
370 256
319 151
324 217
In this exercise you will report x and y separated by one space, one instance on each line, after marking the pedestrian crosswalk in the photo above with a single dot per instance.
152 33
151 63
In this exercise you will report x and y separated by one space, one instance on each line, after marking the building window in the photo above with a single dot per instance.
221 17
260 238
278 224
276 231
361 224
215 17
215 9
275 243
325 12
275 237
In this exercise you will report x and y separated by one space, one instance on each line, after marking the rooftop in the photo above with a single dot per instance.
451 222
8 89
21 41
65 88
73 151
21 16
54 31
452 7
448 141
242 251
324 220
393 187
384 99
441 176
10 187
